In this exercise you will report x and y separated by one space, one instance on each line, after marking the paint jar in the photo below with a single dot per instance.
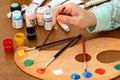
19 39
30 18
31 33
8 45
40 15
48 19
17 19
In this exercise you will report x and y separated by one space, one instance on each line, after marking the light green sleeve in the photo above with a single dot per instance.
107 15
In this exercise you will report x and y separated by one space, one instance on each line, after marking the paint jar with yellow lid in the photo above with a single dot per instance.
19 39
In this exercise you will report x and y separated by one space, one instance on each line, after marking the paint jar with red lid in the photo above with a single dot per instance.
8 45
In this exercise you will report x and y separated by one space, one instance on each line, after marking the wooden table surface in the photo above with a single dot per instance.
8 68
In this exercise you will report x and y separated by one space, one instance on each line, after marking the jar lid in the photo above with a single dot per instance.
30 14
48 14
15 6
41 9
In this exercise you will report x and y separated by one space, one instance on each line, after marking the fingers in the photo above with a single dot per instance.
56 13
56 27
67 19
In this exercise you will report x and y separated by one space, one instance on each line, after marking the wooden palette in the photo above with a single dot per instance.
67 62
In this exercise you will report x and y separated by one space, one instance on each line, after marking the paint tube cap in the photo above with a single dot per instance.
15 6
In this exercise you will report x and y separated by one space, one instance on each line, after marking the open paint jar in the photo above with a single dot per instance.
31 33
8 45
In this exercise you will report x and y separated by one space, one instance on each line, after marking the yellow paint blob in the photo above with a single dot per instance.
21 53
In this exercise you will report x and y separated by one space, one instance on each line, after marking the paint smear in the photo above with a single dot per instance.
87 74
75 76
21 53
40 71
28 62
58 72
100 71
117 67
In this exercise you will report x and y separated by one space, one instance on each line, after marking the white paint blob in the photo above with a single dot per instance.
58 72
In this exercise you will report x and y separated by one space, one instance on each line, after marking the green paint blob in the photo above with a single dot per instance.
117 67
28 62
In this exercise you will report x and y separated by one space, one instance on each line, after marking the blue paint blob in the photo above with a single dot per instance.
117 67
87 74
75 76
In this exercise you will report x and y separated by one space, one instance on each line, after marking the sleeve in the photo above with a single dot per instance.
107 15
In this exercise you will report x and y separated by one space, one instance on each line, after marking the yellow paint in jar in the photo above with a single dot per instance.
19 39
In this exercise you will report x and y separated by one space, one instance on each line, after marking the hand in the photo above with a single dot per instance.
75 15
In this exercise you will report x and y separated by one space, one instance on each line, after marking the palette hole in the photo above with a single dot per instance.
109 56
79 57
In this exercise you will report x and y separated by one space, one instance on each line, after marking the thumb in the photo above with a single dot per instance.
66 19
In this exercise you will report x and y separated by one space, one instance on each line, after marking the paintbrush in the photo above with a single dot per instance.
37 55
86 73
51 43
84 53
30 62
58 53
45 40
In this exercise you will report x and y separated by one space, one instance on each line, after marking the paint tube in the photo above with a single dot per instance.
35 4
74 1
94 2
64 26
55 3
82 6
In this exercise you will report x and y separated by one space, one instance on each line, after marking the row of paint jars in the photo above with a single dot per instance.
16 15
44 17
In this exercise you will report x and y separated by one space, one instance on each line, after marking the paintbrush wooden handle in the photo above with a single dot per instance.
78 36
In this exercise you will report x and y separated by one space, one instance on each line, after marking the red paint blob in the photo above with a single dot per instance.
40 71
100 71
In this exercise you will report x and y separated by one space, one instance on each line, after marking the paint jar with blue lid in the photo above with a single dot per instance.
17 19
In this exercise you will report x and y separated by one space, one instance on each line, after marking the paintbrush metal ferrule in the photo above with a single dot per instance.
51 43
85 66
29 49
48 62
